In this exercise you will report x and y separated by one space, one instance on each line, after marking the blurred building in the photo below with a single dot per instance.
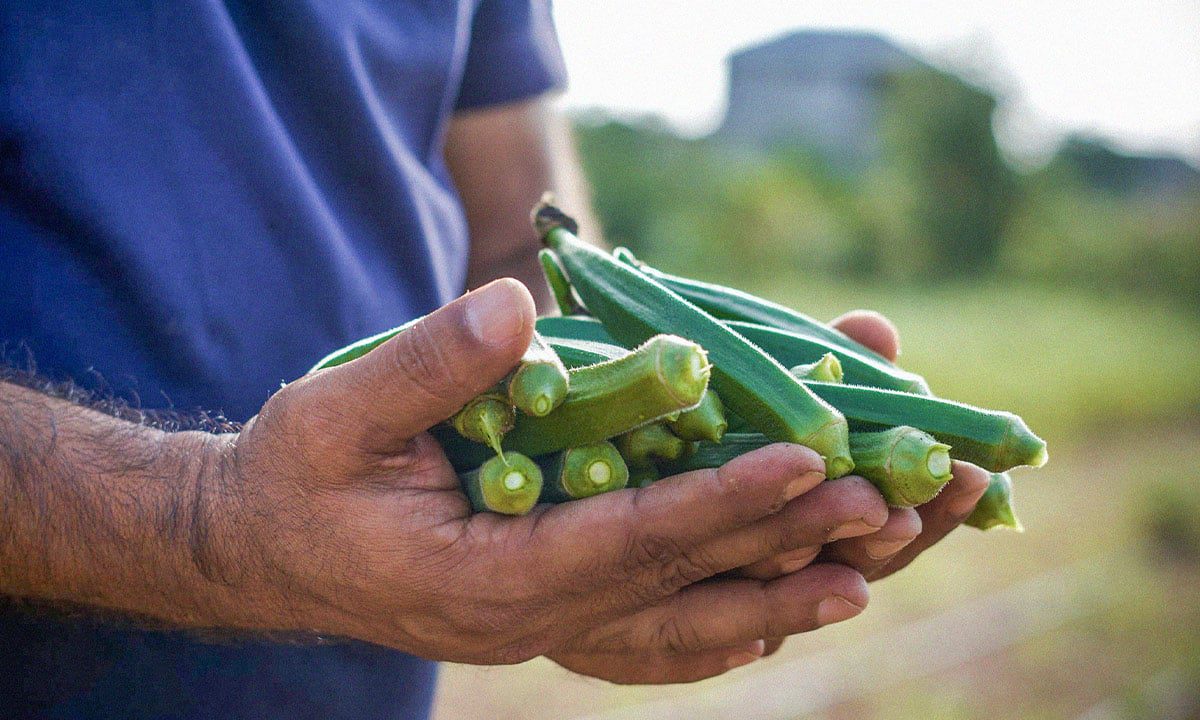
1101 167
821 90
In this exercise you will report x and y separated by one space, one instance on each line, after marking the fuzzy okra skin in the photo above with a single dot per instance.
575 327
581 353
994 509
827 369
485 419
789 348
906 465
560 287
706 421
634 307
730 304
508 484
792 348
539 384
665 375
994 440
583 471
650 444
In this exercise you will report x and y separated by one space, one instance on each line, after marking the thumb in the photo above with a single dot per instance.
428 372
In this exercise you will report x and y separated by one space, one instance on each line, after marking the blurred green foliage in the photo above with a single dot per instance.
940 203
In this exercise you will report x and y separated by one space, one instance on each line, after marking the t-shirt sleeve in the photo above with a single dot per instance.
513 54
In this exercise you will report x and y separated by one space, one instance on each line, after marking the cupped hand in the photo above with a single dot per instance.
333 512
908 531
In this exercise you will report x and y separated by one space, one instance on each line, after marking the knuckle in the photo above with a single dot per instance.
652 550
689 567
677 635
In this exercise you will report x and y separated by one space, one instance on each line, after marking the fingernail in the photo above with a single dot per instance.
853 528
802 484
793 560
745 657
835 609
494 313
883 549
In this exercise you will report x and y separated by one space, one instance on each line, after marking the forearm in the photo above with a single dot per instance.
102 512
502 160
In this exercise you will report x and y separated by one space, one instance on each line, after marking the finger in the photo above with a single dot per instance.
869 553
871 329
428 372
639 545
772 646
783 543
781 564
657 668
723 613
942 514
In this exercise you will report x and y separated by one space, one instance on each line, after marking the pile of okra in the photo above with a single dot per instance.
647 374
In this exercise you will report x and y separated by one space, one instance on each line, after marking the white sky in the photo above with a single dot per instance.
1127 70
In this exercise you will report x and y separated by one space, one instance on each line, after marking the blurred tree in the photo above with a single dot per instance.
939 150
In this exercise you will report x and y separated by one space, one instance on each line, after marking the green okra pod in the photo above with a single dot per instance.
633 307
827 369
539 384
727 303
665 375
508 484
906 465
706 421
485 419
583 471
994 509
560 287
649 444
992 439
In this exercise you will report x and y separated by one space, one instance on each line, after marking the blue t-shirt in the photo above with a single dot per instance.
197 200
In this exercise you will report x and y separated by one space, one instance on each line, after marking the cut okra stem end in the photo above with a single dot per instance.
683 366
486 419
538 388
938 462
599 473
509 484
590 470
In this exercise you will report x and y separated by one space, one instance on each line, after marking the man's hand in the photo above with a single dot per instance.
334 512
884 542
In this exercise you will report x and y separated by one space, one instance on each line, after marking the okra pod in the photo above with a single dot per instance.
539 384
706 421
633 307
560 287
509 484
906 465
995 508
730 304
992 439
827 369
665 375
650 444
485 419
583 471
